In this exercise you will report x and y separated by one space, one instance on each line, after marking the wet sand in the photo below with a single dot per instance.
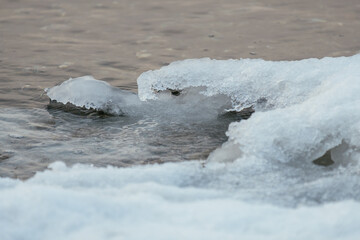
43 43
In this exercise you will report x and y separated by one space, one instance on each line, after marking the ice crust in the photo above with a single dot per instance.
249 82
154 202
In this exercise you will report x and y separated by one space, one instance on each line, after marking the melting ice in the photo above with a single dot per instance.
261 183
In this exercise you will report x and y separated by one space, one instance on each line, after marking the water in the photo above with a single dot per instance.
33 138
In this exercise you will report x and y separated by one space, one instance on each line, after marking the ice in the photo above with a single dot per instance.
261 183
264 85
84 202
328 119
249 82
304 108
89 93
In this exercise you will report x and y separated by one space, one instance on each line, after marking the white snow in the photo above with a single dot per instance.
149 202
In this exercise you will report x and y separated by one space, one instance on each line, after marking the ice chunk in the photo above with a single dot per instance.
327 118
263 84
90 93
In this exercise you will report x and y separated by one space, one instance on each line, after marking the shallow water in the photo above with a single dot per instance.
33 138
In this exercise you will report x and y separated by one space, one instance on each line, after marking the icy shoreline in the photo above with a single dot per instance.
261 183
